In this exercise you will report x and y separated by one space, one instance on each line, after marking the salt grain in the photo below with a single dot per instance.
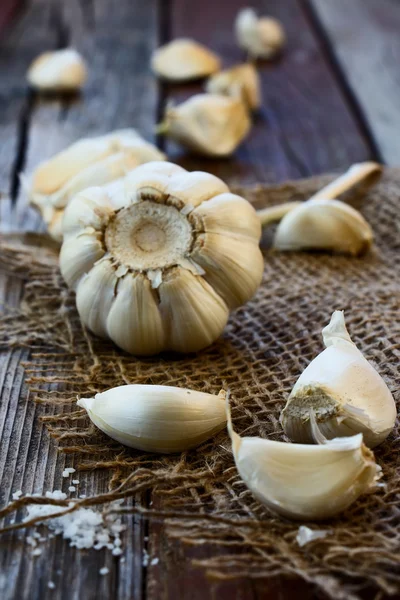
72 488
75 481
154 561
37 552
306 535
104 571
68 471
51 585
17 495
116 552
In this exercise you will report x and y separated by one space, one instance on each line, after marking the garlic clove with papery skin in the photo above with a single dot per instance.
184 59
59 70
157 418
158 263
207 124
301 481
343 392
262 37
240 81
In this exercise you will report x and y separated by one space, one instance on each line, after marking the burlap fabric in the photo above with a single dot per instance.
266 345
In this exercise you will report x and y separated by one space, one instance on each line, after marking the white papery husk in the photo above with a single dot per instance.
58 70
343 390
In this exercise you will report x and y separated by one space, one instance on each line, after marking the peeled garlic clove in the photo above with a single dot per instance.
208 124
194 314
342 390
184 59
58 70
324 225
241 80
156 229
261 37
301 481
157 418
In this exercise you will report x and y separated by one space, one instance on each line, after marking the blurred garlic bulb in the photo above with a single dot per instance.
157 418
184 59
302 481
342 390
322 222
87 162
59 70
261 37
158 265
240 81
208 124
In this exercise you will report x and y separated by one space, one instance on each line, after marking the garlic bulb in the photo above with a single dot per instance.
157 418
240 81
87 162
322 222
261 37
208 124
342 390
59 70
184 59
158 264
301 481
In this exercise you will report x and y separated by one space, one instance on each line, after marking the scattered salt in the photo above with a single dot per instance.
75 481
56 495
154 561
306 535
123 559
72 488
145 560
117 542
36 535
17 495
37 552
104 571
82 496
116 552
31 541
51 585
68 471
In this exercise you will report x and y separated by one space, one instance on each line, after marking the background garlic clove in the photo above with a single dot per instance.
324 225
262 37
342 390
59 70
157 418
240 81
305 482
208 124
184 59
194 314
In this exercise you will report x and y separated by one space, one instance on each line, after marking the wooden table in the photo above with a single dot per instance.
332 99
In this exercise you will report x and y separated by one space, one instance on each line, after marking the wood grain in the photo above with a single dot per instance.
364 39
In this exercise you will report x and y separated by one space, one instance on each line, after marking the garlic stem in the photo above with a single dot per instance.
161 128
355 174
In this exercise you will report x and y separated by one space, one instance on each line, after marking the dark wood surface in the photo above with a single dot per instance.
310 122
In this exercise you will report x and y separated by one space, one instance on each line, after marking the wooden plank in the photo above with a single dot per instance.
119 93
305 125
364 39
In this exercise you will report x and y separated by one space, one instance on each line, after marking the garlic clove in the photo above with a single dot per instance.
229 215
261 37
208 124
78 256
134 322
233 266
301 481
194 188
151 180
157 418
241 80
95 294
58 70
194 314
342 390
91 208
324 225
184 59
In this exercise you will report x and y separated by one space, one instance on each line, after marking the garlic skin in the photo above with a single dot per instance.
87 162
157 418
300 481
59 70
184 59
207 124
343 392
324 224
262 37
158 263
240 81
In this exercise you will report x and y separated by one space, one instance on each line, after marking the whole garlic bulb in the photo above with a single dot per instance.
184 59
159 265
208 124
261 37
157 418
59 70
87 162
240 81
342 390
301 481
